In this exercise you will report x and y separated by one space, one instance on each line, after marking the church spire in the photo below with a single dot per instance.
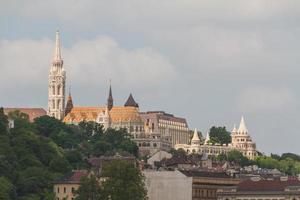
69 105
110 100
57 53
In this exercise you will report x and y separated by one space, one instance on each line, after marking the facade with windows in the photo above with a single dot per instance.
258 189
166 126
66 187
241 141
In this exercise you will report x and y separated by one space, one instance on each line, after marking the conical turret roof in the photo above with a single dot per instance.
207 138
195 136
242 127
131 102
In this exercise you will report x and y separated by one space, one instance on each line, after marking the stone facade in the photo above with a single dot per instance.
57 82
241 141
166 126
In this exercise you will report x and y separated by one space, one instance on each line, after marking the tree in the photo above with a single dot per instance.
219 135
89 189
237 157
123 181
6 189
3 122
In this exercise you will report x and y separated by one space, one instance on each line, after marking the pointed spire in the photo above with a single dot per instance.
195 139
131 102
69 105
242 127
234 130
207 138
110 100
57 54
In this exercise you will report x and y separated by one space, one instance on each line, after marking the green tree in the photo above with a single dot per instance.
123 181
6 189
219 135
3 122
89 189
237 157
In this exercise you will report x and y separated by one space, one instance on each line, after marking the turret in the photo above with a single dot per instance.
195 140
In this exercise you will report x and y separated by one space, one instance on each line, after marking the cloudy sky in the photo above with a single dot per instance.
208 61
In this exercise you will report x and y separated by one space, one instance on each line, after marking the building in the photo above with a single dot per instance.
166 126
168 185
157 157
64 189
31 112
260 189
57 84
205 184
241 141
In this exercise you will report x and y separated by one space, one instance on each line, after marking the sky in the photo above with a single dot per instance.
210 62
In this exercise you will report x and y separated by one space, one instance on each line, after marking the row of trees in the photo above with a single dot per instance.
33 155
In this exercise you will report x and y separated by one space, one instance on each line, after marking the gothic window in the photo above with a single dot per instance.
58 104
53 104
58 89
53 90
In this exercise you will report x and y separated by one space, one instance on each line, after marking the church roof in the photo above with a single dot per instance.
117 114
131 102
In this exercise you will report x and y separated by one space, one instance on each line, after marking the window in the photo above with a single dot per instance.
65 190
57 189
73 190
58 90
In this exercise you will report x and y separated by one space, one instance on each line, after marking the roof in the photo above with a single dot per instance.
207 174
99 161
164 116
266 185
117 114
131 102
31 112
73 177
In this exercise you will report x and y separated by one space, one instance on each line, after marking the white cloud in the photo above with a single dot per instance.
266 100
25 63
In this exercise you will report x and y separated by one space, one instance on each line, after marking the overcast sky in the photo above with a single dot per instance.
208 61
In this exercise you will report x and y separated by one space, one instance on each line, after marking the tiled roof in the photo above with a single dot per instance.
266 185
117 114
31 112
73 177
131 102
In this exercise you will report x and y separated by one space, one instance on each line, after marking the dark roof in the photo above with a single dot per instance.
73 177
266 185
131 102
99 161
207 174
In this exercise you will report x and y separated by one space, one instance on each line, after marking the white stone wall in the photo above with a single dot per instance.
168 185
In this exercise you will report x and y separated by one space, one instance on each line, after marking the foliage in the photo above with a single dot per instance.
123 181
89 189
236 157
6 189
178 153
3 122
219 135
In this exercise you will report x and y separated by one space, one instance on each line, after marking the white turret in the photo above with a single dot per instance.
57 81
207 138
195 139
242 127
234 130
104 118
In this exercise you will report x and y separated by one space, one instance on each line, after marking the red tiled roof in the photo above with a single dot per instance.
266 185
31 112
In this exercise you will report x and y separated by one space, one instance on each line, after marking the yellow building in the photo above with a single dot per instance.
65 188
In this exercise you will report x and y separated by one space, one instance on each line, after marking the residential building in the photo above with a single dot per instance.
168 185
166 126
284 188
65 188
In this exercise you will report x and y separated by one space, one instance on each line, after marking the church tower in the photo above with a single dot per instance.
57 81
110 100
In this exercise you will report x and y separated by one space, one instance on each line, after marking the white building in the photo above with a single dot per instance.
241 141
168 185
57 81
